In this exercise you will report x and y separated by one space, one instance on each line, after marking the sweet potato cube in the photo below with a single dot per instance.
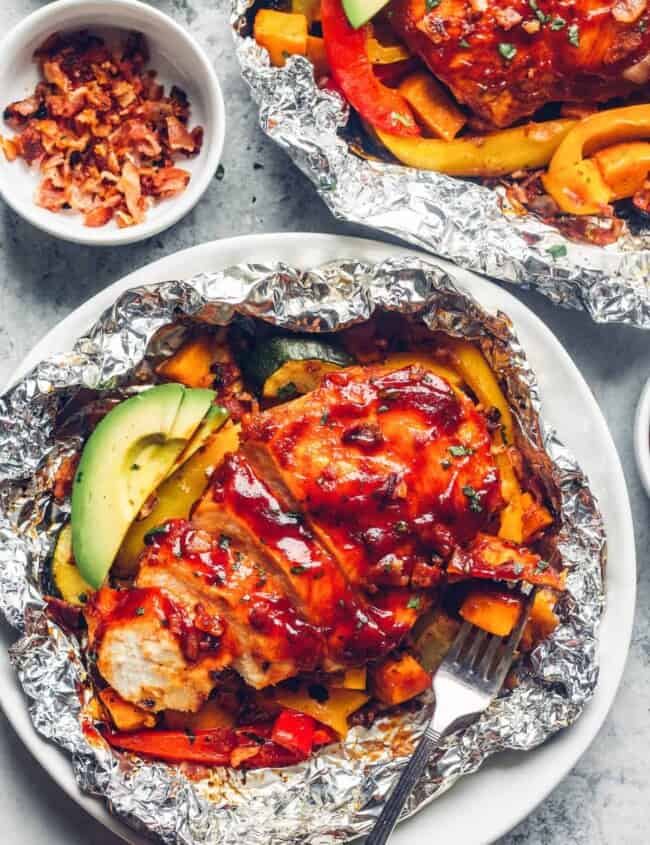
191 364
495 611
398 679
542 621
125 716
535 517
433 107
317 55
282 33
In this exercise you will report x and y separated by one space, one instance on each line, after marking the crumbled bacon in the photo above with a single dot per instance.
101 130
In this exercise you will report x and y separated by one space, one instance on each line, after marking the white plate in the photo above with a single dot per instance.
480 808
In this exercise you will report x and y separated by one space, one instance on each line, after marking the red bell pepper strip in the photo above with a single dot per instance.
352 71
294 731
209 747
323 735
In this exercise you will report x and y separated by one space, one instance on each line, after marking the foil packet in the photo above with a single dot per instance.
469 223
337 794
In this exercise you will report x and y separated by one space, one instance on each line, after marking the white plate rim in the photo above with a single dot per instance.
564 749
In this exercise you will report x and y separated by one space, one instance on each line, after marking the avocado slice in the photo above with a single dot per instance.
213 420
128 454
359 12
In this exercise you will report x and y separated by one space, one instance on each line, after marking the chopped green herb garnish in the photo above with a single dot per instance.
573 34
404 119
139 611
432 4
401 527
135 466
224 541
474 499
297 570
464 43
518 568
382 409
643 25
414 603
460 451
445 463
542 565
153 533
557 24
296 515
508 51
287 391
556 251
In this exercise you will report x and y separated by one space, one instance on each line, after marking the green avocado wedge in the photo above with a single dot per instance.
359 12
125 458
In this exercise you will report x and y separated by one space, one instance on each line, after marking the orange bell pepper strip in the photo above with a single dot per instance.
574 180
382 107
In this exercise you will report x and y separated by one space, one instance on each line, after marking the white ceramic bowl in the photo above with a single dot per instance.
642 436
177 58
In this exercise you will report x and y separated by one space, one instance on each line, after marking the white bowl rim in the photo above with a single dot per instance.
642 436
177 207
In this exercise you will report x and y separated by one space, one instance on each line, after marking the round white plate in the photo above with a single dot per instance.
483 807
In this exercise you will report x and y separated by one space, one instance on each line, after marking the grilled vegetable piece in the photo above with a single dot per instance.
211 716
124 715
64 572
499 560
295 732
433 107
176 495
332 709
399 679
282 33
520 148
543 620
432 637
125 458
284 367
495 611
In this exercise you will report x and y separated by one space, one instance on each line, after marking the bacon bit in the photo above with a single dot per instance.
179 137
101 130
98 217
628 11
507 18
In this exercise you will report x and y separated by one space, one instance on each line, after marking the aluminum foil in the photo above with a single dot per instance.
336 795
458 219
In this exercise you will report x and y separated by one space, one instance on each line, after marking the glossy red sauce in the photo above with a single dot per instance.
354 629
369 460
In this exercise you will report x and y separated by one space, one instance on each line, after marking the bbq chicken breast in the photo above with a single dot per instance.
507 58
316 546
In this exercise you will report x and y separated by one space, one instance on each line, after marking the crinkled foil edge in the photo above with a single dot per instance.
454 218
336 795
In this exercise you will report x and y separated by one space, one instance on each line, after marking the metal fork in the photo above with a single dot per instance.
466 683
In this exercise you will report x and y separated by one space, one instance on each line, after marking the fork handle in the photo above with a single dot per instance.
403 788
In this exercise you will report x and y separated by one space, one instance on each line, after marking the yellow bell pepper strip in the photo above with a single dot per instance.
385 54
521 148
333 711
282 33
624 167
399 360
352 71
433 107
176 495
573 179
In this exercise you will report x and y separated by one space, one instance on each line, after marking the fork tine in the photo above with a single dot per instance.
488 658
505 659
459 642
475 647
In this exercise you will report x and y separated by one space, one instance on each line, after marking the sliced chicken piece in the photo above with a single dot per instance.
388 467
141 638
241 507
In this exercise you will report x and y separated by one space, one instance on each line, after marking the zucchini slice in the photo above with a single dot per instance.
284 367
66 578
